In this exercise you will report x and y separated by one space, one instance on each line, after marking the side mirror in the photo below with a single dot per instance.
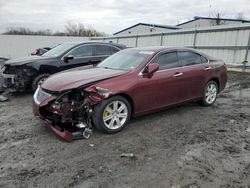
151 69
67 58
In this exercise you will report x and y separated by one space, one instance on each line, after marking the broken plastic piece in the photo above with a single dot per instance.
87 132
81 125
128 155
3 98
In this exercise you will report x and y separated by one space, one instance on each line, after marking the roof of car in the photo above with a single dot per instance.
96 42
161 48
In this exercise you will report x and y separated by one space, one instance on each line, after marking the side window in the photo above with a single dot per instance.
203 59
102 50
82 51
189 58
114 50
167 61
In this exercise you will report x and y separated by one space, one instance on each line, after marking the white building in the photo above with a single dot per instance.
207 22
144 28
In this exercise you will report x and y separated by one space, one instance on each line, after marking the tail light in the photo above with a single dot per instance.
34 52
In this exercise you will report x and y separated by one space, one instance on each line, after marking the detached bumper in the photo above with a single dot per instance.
65 135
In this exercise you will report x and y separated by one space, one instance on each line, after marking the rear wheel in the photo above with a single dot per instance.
39 80
210 93
112 115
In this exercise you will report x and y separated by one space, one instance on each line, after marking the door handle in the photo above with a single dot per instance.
178 74
207 68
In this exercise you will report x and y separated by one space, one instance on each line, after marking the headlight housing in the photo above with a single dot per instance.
40 96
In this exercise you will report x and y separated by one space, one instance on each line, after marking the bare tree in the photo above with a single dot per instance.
216 15
240 16
71 29
26 31
78 29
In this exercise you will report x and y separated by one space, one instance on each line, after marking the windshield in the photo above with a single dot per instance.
58 50
126 59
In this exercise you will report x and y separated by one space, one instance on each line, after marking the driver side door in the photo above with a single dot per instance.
165 86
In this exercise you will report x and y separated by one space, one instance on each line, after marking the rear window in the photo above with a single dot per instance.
103 50
114 50
203 59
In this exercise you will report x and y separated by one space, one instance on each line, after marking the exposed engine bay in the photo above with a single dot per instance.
15 80
71 110
18 78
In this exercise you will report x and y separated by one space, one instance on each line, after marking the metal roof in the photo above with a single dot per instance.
207 18
147 24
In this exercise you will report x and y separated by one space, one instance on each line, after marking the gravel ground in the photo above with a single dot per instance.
186 146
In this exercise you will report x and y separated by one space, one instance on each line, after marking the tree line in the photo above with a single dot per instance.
71 29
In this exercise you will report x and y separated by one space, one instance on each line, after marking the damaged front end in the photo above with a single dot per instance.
69 114
17 78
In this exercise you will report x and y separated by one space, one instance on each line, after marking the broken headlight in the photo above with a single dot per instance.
40 96
71 95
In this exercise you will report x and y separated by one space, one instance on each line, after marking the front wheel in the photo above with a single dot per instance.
210 93
39 80
112 115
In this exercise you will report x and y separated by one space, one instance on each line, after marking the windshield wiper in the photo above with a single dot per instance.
114 68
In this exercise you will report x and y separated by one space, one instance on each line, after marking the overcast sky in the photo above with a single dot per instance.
111 15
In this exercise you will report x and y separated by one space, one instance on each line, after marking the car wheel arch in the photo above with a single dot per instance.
216 80
99 108
129 99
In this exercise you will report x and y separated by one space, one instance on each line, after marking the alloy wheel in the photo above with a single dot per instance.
115 114
211 93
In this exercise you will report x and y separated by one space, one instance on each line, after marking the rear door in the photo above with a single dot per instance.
194 71
102 52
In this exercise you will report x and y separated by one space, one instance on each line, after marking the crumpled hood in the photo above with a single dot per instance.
76 78
25 60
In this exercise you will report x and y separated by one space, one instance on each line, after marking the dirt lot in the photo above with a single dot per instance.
186 146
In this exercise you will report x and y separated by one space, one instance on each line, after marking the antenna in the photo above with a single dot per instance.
209 12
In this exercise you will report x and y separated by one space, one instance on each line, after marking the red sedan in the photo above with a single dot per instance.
129 83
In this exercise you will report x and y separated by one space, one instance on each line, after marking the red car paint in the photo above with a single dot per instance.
146 94
73 79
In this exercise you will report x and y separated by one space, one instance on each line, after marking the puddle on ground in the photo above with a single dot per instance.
241 93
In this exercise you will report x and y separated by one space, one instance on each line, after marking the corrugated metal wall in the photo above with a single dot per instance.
230 42
14 46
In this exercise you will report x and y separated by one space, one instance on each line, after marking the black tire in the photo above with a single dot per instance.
1 84
37 80
205 101
98 117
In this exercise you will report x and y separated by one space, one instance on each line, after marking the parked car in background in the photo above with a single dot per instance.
41 51
2 60
129 83
27 73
